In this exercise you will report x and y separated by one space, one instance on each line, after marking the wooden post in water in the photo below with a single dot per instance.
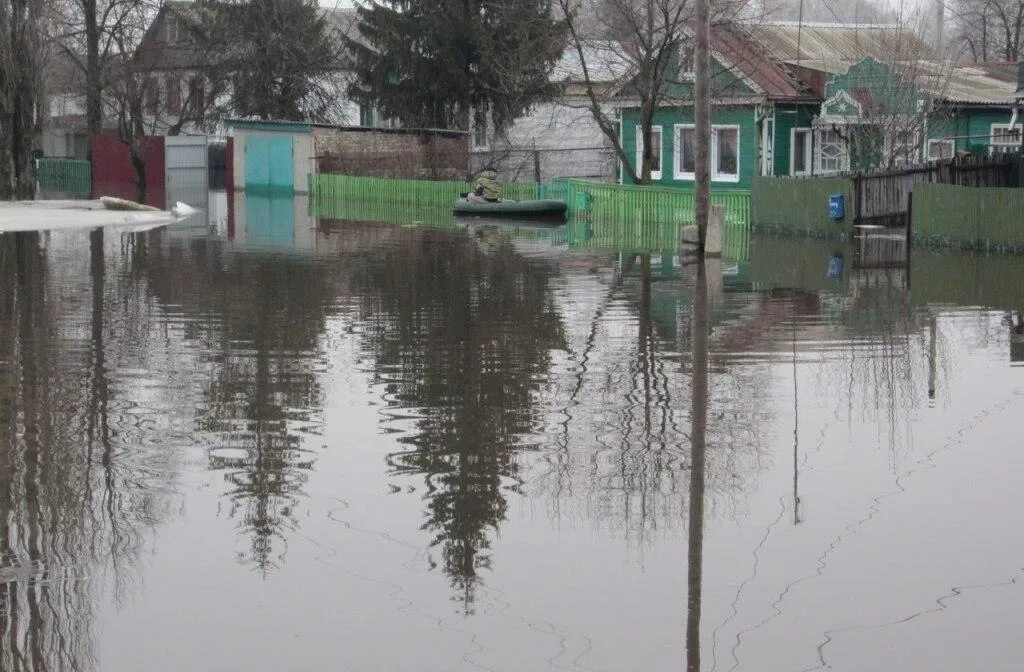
702 119
698 447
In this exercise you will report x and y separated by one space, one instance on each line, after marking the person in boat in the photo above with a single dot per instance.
487 188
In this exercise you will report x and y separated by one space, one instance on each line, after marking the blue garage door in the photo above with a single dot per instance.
269 163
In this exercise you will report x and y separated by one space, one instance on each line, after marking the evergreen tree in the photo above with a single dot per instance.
433 63
279 54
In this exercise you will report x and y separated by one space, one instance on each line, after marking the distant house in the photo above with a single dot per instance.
64 135
179 95
758 112
818 99
559 138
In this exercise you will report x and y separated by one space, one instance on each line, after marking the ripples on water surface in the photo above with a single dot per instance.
375 447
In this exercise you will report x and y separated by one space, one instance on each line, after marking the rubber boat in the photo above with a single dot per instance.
539 209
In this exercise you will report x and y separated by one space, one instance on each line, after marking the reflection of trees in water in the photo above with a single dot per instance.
258 320
622 408
462 338
78 487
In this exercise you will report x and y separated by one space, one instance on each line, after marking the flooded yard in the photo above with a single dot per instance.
282 442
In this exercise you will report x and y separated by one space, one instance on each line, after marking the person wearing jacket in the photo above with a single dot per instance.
487 188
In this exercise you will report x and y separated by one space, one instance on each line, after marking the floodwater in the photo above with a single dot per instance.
275 442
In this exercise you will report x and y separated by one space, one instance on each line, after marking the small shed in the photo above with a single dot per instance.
271 156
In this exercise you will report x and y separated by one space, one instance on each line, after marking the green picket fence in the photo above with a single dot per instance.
64 176
614 217
648 206
418 193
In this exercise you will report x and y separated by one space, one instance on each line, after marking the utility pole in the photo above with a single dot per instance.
702 119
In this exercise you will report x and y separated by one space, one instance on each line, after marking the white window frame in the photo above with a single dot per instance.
1000 147
935 142
716 176
172 30
768 146
656 175
677 154
808 152
844 156
486 146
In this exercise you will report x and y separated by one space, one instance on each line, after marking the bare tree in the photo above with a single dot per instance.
990 29
628 48
22 52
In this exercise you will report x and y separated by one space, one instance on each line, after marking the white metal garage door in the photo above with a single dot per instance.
187 172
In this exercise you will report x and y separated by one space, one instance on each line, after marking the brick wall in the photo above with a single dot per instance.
383 152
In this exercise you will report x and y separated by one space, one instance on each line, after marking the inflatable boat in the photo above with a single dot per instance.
540 209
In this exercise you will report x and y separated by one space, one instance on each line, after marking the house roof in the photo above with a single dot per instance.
606 60
341 22
735 48
979 83
833 47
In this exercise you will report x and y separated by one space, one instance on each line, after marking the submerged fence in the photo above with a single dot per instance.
389 192
648 206
970 217
64 176
601 216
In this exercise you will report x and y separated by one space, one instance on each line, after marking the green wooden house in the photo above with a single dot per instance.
879 115
757 106
819 99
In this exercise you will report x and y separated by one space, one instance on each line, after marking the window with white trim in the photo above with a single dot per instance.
481 139
832 155
939 150
725 157
656 158
801 158
1005 139
172 29
768 146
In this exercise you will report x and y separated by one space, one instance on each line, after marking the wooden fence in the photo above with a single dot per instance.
646 206
968 217
884 198
64 177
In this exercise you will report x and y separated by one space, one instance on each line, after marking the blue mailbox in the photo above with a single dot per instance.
837 206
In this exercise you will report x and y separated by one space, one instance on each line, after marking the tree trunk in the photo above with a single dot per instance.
21 93
139 164
702 120
93 80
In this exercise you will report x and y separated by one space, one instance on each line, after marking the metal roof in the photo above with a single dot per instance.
828 45
979 83
745 57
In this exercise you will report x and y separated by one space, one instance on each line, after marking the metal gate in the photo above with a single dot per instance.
187 169
269 163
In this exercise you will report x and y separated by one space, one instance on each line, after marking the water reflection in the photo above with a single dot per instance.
73 496
258 323
554 425
461 329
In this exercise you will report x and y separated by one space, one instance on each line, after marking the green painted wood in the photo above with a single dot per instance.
968 217
257 162
800 205
721 115
64 176
282 163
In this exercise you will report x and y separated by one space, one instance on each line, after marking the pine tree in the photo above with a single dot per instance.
433 63
279 55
